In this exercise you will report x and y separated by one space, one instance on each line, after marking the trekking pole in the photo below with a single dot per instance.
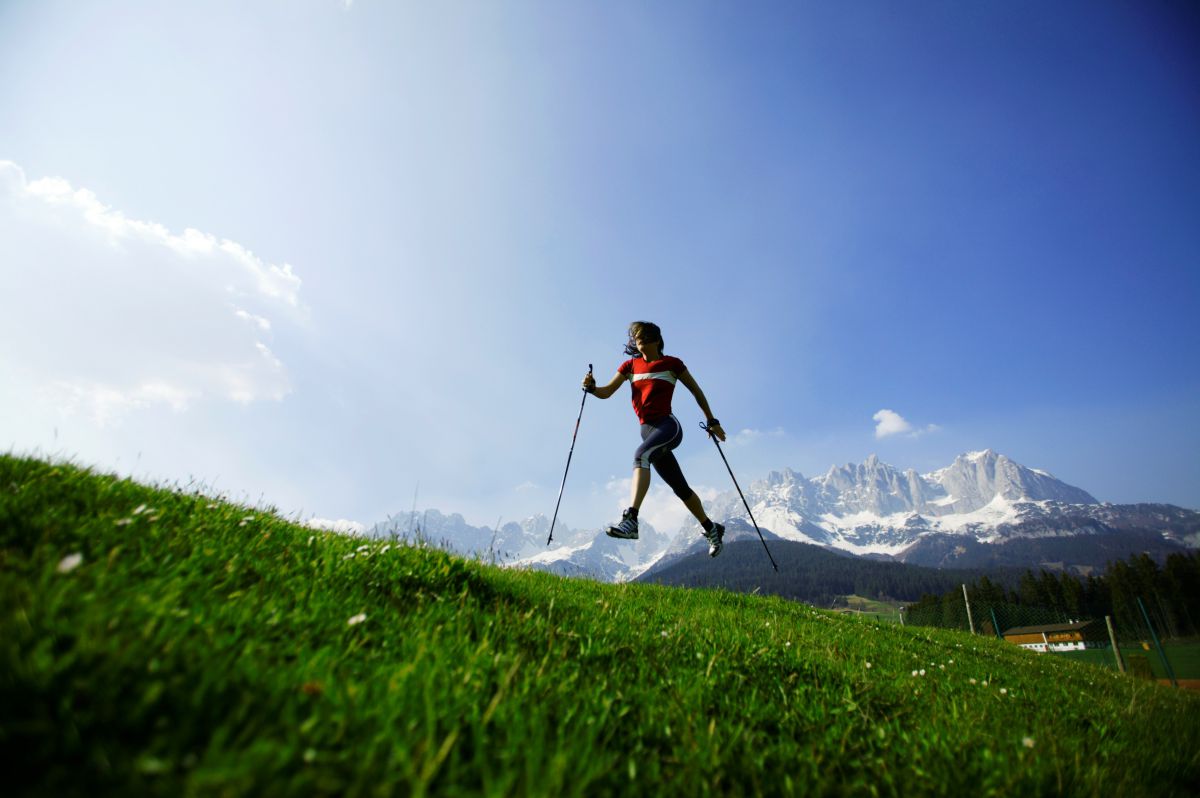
704 427
568 468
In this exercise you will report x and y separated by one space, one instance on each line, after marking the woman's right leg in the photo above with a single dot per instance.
641 484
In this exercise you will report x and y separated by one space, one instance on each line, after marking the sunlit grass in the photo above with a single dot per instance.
162 641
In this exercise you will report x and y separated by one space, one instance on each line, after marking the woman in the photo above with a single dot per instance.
652 376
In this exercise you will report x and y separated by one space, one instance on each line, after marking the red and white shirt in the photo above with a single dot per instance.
652 384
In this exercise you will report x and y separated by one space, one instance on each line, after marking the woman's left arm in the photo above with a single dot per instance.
687 379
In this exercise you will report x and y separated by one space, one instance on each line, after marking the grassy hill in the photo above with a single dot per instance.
163 642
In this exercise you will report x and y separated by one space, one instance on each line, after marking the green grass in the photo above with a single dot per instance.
204 648
886 611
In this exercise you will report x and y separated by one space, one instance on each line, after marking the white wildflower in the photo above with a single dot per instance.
1003 691
973 680
914 673
385 548
1027 742
311 538
868 666
363 548
70 563
663 633
349 556
141 508
357 619
124 522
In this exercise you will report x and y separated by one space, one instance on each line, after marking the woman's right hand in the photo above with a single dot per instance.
589 382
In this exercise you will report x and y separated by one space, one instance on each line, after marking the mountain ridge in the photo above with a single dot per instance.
983 510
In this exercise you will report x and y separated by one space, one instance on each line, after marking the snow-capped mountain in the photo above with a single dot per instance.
507 543
982 498
982 510
573 552
601 557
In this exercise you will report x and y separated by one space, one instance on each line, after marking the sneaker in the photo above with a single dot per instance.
627 529
714 539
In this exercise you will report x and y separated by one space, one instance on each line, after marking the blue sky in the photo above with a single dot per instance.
414 225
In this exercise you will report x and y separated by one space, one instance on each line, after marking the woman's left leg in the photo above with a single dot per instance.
668 468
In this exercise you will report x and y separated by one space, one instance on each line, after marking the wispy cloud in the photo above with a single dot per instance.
114 313
526 486
890 423
747 437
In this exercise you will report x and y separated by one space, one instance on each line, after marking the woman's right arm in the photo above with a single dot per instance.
603 391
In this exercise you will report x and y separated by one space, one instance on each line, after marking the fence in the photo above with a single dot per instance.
1130 643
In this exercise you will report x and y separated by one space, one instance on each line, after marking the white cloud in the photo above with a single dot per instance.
526 486
103 314
889 423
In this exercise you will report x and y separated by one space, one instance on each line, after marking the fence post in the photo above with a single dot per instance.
1162 654
967 601
995 623
1113 637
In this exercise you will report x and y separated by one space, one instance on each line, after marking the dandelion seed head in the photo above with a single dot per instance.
1003 691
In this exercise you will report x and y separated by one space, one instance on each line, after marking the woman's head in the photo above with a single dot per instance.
645 331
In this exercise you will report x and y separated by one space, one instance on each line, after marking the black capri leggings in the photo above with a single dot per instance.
658 439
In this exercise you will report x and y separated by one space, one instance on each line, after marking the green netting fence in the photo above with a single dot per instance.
1144 651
